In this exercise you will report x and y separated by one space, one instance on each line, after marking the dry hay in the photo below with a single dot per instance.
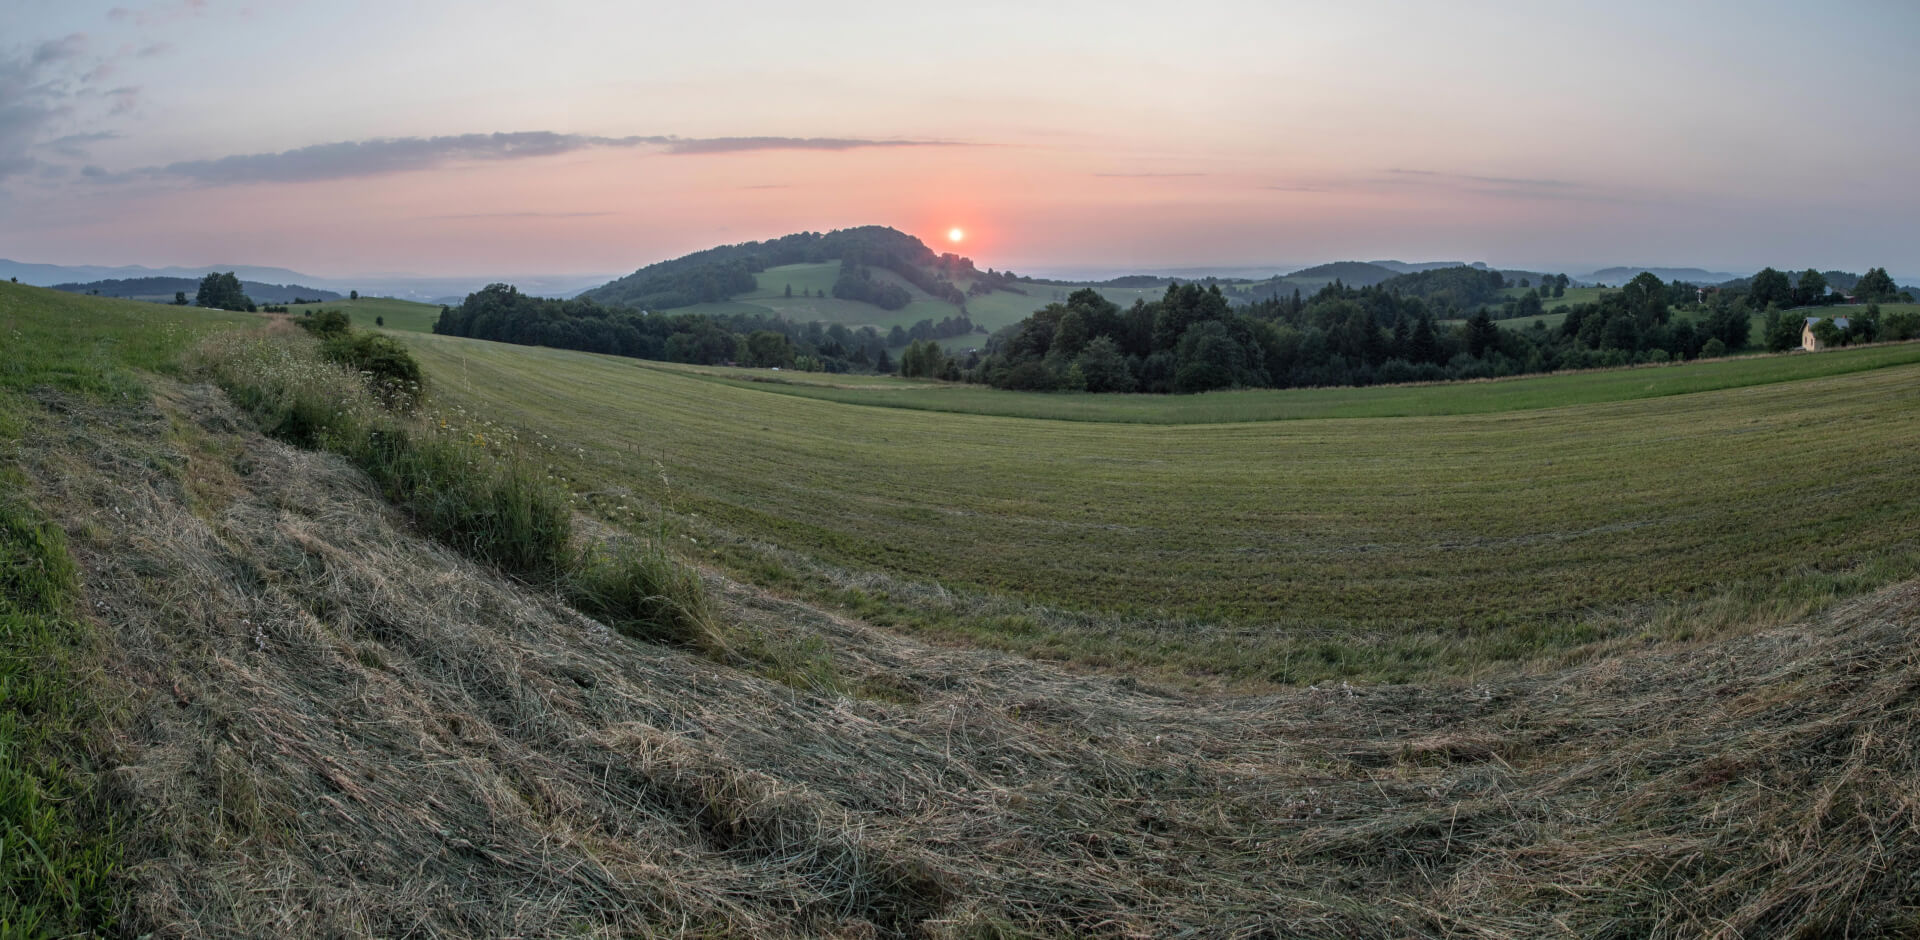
333 728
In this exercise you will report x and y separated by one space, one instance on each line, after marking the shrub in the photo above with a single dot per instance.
474 491
386 364
1029 376
327 324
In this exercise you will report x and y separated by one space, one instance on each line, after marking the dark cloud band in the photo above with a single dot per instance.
361 158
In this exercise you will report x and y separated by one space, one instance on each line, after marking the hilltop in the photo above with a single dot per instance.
1351 273
722 273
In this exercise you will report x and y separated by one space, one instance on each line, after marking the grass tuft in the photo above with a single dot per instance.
641 590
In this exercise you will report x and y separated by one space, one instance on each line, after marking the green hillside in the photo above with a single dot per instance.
754 278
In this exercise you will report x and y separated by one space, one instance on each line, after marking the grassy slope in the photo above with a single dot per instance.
404 315
1380 547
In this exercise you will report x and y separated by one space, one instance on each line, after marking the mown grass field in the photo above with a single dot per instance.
1277 550
405 315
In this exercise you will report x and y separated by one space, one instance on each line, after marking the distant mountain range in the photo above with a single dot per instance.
402 286
1616 276
47 275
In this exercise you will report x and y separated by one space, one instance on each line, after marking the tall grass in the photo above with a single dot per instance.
642 590
464 482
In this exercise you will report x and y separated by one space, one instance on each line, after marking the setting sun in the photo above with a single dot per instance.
955 234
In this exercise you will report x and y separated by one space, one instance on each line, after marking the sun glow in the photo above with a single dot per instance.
955 234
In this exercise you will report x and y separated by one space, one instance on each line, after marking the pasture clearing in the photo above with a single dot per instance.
802 278
403 315
1268 552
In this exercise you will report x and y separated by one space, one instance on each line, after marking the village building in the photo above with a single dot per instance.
1810 342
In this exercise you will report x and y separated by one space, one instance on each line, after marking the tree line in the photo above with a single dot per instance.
501 312
1192 339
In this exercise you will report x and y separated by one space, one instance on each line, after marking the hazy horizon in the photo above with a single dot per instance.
450 139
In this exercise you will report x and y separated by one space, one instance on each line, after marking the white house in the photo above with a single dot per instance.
1810 342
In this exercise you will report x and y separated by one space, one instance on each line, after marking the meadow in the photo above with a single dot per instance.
1504 521
404 315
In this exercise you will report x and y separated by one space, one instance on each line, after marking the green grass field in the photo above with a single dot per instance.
803 278
1851 310
404 315
1388 547
1573 296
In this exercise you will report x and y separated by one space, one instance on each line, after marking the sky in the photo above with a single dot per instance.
462 137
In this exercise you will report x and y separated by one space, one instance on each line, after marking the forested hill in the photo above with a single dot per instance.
1350 273
1461 288
717 274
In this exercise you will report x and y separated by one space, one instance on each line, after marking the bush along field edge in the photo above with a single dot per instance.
469 484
